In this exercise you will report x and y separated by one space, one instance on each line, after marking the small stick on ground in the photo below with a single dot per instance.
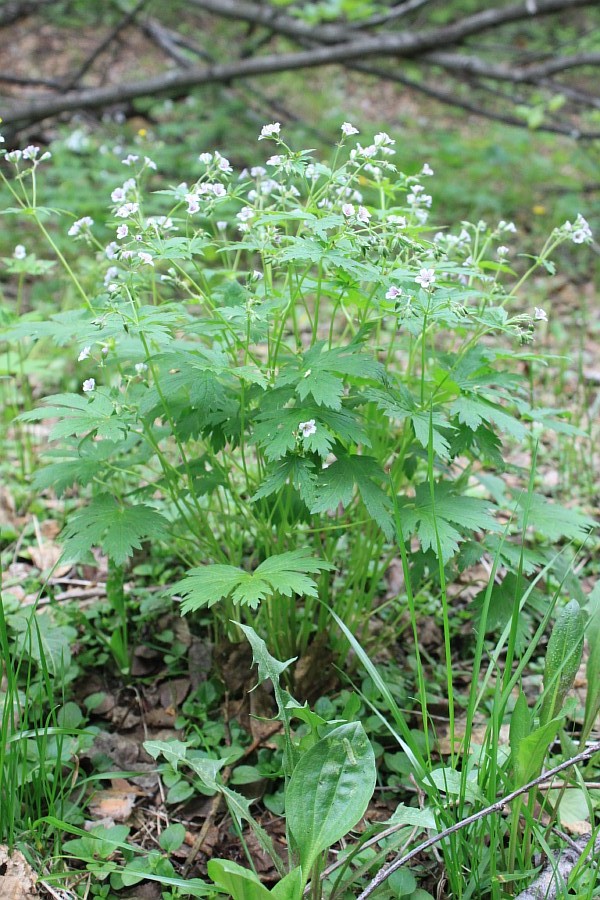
555 873
392 867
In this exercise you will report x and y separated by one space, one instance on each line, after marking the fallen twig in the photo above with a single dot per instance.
396 864
555 873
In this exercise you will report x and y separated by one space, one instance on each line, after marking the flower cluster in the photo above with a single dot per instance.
579 232
83 224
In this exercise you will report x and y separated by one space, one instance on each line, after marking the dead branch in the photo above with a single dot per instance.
104 44
342 45
496 807
20 9
555 873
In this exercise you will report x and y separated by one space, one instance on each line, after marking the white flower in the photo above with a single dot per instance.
275 160
348 209
118 195
112 288
393 292
111 250
221 225
19 252
269 131
14 156
130 159
217 189
258 171
128 209
383 139
348 129
140 368
400 221
367 152
245 213
503 251
223 163
425 278
159 222
30 152
426 170
122 231
193 205
307 428
146 258
76 227
581 231
205 158
257 276
150 163
84 354
88 385
540 314
363 215
375 171
112 272
507 226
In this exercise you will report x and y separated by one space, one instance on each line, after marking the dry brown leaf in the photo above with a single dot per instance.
478 733
172 693
50 529
115 803
45 556
17 878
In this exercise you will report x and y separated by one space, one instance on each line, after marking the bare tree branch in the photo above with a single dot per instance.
32 82
392 15
403 43
166 41
474 65
451 99
335 44
19 9
126 20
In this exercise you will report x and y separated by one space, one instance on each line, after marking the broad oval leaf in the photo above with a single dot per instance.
563 657
240 883
329 791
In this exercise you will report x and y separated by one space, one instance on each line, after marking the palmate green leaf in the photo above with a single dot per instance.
453 516
337 483
117 529
472 411
309 250
295 470
553 520
80 415
319 372
399 404
285 573
61 328
276 428
61 475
